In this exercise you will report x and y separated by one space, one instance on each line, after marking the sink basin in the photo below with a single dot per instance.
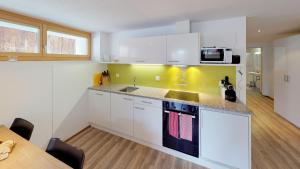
129 89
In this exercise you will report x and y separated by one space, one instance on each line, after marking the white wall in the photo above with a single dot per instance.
222 33
267 66
52 95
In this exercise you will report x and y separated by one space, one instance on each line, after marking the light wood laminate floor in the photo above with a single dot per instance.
275 145
275 142
107 151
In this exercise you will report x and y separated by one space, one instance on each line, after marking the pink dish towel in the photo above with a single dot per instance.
186 127
173 124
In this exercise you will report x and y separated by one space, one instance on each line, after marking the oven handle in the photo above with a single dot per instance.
179 114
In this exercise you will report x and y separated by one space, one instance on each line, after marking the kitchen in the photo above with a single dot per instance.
164 96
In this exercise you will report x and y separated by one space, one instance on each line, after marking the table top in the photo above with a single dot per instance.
25 155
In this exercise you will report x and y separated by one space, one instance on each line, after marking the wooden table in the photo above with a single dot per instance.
25 155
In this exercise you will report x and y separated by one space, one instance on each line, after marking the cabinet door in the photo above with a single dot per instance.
122 52
148 123
225 138
183 49
148 50
280 83
293 81
121 113
99 108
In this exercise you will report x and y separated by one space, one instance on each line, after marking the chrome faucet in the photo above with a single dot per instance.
134 80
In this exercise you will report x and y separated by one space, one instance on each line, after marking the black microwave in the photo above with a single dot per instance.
216 55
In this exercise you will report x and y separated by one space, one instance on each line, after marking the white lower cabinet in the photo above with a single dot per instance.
99 109
122 113
225 138
148 123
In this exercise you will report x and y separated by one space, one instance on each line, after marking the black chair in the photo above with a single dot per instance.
22 127
66 153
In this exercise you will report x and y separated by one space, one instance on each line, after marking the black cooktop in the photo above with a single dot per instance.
180 95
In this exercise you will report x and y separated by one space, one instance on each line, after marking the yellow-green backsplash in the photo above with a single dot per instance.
190 78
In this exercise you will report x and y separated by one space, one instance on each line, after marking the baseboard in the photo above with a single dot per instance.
81 131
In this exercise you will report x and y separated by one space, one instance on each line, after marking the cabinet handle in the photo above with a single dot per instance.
140 61
147 102
173 61
127 99
100 94
139 108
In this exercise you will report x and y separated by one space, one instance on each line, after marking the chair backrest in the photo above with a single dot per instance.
22 127
66 153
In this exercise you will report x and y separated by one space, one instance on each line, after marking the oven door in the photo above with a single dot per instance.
182 145
212 56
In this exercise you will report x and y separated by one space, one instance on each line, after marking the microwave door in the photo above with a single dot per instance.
212 56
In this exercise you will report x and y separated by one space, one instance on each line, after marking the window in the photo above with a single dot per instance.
25 38
66 44
19 38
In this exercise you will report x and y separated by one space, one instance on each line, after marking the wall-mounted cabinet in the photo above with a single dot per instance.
183 49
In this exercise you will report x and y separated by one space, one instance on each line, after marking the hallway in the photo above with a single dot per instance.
275 142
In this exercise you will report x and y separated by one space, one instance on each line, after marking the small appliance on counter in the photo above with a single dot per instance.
227 90
236 59
214 55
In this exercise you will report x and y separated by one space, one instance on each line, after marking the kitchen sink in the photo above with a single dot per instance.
129 89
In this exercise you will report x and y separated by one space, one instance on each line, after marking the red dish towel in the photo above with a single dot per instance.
173 124
186 127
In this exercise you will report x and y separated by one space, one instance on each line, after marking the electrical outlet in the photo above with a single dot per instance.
157 78
117 75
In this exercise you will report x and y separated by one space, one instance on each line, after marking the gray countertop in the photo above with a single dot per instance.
205 100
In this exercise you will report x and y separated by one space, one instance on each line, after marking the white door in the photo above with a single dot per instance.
183 49
148 123
225 138
280 81
121 113
293 82
99 108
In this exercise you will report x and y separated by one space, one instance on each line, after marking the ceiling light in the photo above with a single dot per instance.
258 30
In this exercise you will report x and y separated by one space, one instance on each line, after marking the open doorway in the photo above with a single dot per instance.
254 69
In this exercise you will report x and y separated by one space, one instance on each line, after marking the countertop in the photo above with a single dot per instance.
205 100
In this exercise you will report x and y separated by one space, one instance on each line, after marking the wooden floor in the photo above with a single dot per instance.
275 145
275 142
107 151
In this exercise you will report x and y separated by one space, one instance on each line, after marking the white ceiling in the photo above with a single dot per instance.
273 17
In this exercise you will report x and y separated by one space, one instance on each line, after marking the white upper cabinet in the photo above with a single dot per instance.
183 49
100 47
148 50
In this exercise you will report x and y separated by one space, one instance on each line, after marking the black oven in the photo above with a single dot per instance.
186 138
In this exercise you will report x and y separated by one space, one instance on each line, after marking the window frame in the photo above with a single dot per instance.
43 27
65 31
19 21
